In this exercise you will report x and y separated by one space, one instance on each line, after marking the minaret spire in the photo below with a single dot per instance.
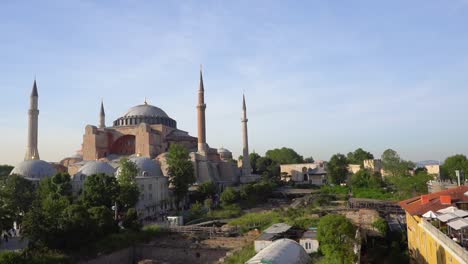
31 152
102 116
246 168
202 146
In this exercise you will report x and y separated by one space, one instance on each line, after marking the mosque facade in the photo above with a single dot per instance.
143 134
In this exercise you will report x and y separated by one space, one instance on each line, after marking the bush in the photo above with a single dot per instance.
131 220
381 225
229 196
196 212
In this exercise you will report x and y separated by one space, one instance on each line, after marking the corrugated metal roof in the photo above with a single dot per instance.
309 234
277 228
459 224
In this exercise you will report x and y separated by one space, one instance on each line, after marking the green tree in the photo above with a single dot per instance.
366 179
100 189
393 164
127 172
309 160
358 156
408 186
43 224
284 156
128 189
229 196
181 171
336 235
268 168
56 186
207 189
337 168
253 157
5 170
76 223
131 220
17 195
453 163
103 219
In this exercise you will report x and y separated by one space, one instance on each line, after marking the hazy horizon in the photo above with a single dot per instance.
319 77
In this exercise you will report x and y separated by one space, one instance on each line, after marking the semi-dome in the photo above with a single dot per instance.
95 167
34 169
147 166
146 110
145 113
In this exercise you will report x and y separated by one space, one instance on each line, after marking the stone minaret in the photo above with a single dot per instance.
246 169
32 153
202 146
102 117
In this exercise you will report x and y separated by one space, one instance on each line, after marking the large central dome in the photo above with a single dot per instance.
146 110
145 113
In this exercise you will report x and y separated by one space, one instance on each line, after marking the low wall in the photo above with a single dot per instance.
446 241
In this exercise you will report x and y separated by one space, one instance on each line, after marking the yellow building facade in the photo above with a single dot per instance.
427 244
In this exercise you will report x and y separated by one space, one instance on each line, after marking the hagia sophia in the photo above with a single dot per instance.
143 134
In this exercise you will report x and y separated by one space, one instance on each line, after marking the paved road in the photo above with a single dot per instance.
14 243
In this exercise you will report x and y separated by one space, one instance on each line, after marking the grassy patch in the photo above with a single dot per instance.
226 212
257 220
241 256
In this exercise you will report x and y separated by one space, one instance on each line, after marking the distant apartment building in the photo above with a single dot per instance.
305 173
437 226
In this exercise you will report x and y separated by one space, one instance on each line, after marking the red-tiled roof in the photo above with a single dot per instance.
415 206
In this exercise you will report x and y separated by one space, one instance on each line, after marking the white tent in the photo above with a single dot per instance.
429 214
282 251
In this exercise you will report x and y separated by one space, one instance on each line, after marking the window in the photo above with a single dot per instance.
142 187
150 187
142 197
150 196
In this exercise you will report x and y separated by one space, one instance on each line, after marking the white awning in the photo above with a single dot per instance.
447 217
429 214
458 224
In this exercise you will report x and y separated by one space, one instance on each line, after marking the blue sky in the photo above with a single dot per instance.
320 76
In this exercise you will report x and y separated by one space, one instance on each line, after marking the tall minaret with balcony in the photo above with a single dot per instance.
246 168
32 153
102 116
202 146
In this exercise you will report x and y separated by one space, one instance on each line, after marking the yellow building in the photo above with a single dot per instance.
426 242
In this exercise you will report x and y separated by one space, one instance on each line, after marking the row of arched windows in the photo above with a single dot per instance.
129 121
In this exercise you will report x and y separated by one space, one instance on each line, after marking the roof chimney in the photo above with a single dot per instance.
424 199
445 199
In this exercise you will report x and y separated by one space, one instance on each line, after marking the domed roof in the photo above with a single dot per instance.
147 166
34 169
145 110
95 167
223 150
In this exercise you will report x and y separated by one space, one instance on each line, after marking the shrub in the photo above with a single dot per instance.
229 196
131 221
